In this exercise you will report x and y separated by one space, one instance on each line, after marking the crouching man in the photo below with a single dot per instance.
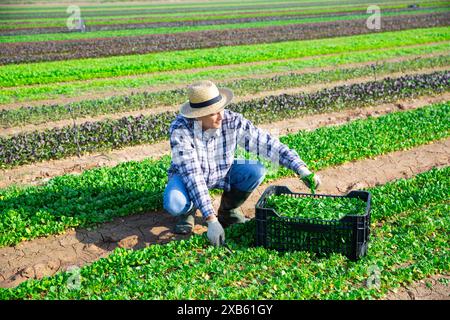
203 140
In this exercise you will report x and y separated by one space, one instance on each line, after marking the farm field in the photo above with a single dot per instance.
84 144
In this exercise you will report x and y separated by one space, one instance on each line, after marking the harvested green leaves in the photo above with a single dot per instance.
311 207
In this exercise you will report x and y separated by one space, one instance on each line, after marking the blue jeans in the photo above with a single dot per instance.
244 176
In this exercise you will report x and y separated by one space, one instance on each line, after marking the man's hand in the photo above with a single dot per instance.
305 173
216 235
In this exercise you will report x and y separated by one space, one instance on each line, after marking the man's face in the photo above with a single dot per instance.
212 121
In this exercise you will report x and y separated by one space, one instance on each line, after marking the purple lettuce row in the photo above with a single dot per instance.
88 48
112 134
192 23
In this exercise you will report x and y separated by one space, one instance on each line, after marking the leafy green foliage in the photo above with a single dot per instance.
311 182
97 195
320 208
407 245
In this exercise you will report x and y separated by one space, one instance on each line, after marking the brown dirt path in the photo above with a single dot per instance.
436 287
124 91
45 256
41 172
236 99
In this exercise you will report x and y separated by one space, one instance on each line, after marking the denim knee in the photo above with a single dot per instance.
257 172
252 175
176 203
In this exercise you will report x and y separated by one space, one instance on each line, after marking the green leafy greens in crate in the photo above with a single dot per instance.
311 207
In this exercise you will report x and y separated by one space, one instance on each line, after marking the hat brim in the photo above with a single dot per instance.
187 111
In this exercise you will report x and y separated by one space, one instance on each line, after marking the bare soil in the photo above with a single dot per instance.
436 287
46 256
41 172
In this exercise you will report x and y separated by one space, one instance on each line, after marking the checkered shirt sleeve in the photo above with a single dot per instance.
261 143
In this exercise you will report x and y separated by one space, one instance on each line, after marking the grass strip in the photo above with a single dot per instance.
84 69
57 143
89 108
99 195
408 246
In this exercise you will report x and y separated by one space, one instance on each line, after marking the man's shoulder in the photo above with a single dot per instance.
180 122
233 117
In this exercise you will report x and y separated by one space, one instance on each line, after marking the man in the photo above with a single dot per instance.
203 139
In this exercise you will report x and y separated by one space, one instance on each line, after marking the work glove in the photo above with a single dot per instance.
215 234
304 173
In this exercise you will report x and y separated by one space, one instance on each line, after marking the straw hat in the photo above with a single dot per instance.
205 99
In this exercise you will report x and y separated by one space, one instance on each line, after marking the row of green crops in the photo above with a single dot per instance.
57 90
98 195
165 30
109 134
236 7
409 241
139 101
84 69
59 33
58 22
118 6
134 45
198 9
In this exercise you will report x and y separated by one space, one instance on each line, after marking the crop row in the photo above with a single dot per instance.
410 232
282 21
84 69
56 143
100 194
92 28
123 19
241 87
242 8
221 73
125 45
109 134
173 9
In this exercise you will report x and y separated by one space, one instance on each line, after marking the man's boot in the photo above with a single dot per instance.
186 222
228 212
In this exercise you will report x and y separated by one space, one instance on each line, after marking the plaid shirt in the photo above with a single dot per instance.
203 158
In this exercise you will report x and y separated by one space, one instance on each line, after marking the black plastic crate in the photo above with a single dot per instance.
349 235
